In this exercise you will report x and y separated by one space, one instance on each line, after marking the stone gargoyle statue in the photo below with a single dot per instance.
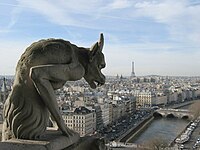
45 66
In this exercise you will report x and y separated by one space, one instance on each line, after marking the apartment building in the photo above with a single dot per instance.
81 120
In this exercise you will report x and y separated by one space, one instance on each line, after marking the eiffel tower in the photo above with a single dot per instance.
133 72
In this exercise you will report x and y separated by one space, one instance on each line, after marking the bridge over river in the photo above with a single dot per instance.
179 113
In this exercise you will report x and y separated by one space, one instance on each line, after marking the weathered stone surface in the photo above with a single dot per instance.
54 140
88 143
51 140
45 66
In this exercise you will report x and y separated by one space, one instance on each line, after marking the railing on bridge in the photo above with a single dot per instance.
171 109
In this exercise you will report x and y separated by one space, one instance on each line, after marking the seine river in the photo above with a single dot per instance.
163 128
166 129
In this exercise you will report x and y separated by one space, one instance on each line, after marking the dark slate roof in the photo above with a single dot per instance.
82 110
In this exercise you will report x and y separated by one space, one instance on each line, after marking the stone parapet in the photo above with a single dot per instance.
54 140
51 140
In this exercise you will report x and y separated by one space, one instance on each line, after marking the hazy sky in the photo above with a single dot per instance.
161 36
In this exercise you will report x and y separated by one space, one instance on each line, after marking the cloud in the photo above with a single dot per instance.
119 4
181 17
49 9
10 53
124 14
66 12
100 14
135 30
162 11
13 12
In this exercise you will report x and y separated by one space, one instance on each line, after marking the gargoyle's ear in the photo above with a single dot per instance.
101 42
93 50
98 46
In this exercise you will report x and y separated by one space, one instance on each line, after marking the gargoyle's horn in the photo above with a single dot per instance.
101 42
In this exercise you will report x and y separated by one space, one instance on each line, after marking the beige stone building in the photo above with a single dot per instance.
147 99
144 99
81 120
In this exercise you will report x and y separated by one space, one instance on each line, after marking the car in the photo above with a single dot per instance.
113 130
194 147
181 146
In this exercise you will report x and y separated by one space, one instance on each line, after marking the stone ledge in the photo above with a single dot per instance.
52 140
88 143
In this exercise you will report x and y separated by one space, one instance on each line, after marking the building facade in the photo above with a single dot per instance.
81 120
144 99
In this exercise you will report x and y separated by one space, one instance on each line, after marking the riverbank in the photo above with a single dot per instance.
176 106
135 131
194 134
131 133
171 144
141 127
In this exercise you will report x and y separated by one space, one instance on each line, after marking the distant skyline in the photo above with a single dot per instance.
162 37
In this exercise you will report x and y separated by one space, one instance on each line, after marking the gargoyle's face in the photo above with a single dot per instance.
93 75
